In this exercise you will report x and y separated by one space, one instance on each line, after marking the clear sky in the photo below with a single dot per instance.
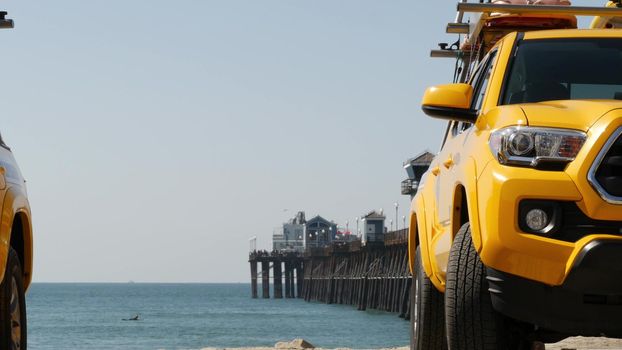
158 136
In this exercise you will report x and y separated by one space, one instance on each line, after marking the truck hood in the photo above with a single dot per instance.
570 114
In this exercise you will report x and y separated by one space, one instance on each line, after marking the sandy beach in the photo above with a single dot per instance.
581 343
577 343
272 348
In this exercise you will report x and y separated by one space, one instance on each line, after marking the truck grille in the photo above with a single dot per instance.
576 225
606 173
609 173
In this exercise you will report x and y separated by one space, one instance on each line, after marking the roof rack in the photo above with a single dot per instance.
610 16
465 7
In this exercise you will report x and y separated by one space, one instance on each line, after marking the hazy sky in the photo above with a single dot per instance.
158 136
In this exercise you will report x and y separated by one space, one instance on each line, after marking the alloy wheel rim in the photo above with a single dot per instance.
16 317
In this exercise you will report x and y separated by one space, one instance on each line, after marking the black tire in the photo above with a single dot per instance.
427 312
471 321
13 306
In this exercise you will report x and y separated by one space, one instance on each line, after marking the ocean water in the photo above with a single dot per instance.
192 316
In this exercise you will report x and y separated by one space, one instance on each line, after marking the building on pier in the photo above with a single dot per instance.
298 233
373 227
290 237
320 232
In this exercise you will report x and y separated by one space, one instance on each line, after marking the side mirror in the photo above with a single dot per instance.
450 101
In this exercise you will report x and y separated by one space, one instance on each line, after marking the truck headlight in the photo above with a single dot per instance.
532 146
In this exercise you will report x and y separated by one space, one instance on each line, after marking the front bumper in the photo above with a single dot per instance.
588 303
500 189
504 246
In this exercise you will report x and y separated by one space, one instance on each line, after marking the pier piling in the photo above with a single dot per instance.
299 279
290 268
288 285
254 279
286 266
278 280
265 279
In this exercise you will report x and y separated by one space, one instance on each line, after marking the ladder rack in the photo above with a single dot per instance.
464 7
488 11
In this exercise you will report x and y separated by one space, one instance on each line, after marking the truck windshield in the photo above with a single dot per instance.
565 69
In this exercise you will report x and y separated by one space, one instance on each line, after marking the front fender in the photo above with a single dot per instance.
418 236
412 241
470 187
15 203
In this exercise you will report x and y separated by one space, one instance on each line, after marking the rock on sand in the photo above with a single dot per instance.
296 344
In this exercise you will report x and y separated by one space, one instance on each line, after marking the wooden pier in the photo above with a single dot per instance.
370 276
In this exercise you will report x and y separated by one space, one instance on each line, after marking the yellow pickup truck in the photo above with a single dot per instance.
15 245
15 252
516 228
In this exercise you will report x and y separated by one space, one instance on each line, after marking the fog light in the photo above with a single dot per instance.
540 217
536 219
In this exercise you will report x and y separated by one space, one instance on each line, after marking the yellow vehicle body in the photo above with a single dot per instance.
15 219
468 183
516 226
465 182
15 252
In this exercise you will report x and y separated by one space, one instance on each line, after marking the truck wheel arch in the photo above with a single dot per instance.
461 209
417 236
465 204
21 238
413 241
16 230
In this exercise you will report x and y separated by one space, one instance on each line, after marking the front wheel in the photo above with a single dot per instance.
427 318
12 306
472 323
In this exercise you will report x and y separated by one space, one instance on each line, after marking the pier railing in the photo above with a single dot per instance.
396 237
